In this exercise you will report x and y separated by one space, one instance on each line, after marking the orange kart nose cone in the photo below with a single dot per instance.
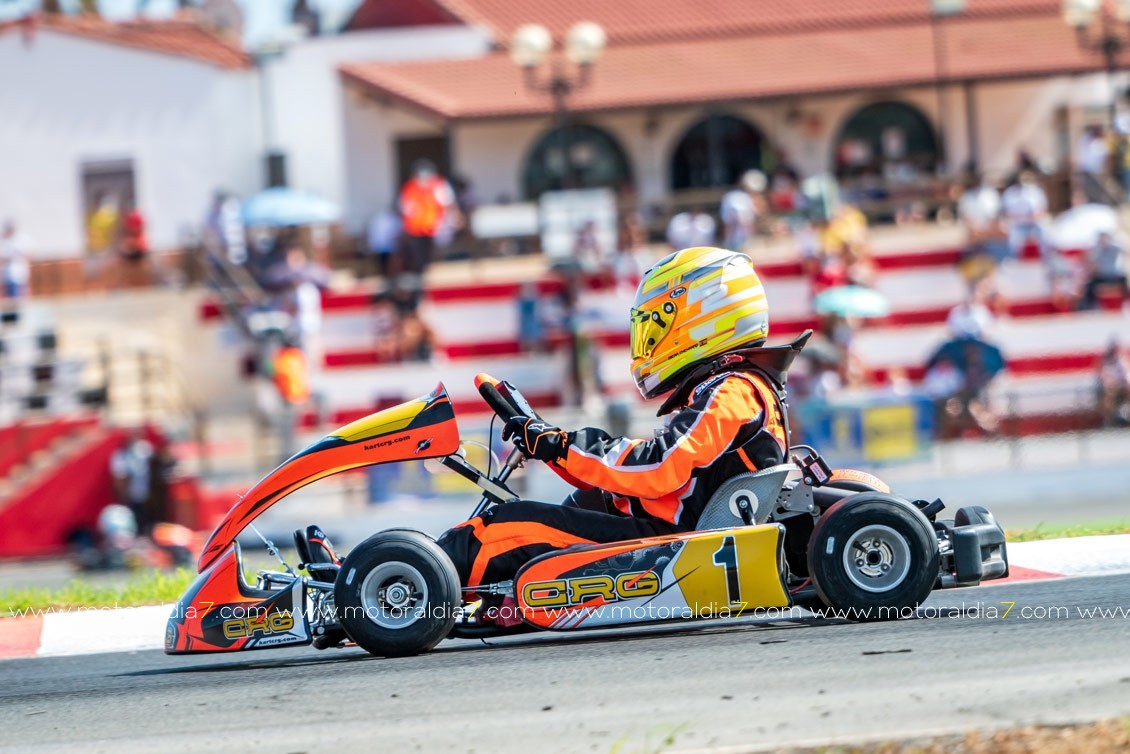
419 429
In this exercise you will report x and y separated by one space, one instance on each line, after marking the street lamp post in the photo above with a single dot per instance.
529 48
1110 38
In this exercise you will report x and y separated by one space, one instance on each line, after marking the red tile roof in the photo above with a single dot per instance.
654 20
376 14
742 67
183 38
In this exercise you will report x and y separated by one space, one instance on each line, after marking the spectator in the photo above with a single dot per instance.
941 382
785 196
738 211
1114 387
691 228
859 266
290 372
103 227
973 318
427 204
131 467
848 227
1025 208
306 309
633 257
14 261
979 210
135 244
531 333
587 252
384 241
842 256
466 198
223 229
386 327
1106 266
977 363
1091 155
1025 161
838 333
417 340
290 266
1120 151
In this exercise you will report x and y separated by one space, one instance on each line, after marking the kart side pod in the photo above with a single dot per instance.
718 573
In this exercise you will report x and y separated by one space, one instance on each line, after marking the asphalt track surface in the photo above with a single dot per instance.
739 685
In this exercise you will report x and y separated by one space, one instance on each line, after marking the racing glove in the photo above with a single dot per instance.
536 439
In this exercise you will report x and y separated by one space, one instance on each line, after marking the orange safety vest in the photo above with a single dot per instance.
291 375
421 207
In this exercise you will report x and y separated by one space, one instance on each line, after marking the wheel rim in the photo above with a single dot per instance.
877 558
394 594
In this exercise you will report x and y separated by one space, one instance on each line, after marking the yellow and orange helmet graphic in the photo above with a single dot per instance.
693 305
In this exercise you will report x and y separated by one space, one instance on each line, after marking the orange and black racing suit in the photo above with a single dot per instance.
628 489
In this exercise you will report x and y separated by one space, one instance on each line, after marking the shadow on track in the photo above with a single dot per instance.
246 664
533 641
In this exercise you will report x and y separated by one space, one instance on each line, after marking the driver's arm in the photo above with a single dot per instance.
649 469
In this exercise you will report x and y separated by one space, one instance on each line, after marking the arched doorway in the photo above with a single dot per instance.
715 151
893 140
595 159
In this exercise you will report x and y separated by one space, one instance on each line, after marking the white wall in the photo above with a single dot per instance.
66 100
1009 116
189 127
310 108
1021 115
371 130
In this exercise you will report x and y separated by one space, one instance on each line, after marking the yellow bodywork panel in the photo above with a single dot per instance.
731 570
384 422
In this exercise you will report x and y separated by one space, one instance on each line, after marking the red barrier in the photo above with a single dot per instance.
38 519
19 442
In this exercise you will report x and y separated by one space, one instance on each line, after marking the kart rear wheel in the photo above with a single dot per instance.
397 593
873 557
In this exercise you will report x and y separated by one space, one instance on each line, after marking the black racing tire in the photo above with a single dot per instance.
852 486
891 566
827 495
397 593
973 514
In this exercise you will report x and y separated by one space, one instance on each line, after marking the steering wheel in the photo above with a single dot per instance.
503 398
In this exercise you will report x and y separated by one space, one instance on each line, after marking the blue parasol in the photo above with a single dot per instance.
281 206
851 301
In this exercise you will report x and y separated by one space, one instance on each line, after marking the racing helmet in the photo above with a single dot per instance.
691 306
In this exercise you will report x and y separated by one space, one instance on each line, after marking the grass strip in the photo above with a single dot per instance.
1065 531
147 588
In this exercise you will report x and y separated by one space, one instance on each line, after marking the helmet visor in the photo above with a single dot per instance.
648 329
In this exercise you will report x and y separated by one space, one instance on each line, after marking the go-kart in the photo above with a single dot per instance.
796 534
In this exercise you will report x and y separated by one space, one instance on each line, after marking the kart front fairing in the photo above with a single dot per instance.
419 429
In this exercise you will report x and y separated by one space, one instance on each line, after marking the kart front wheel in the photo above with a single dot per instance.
397 593
873 557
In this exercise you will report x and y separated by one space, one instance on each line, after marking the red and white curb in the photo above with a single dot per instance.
91 631
84 631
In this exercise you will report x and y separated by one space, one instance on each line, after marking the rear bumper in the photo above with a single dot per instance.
978 551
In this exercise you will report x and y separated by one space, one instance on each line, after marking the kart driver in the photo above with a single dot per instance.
696 312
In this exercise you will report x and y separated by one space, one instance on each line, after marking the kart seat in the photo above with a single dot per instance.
316 553
760 488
